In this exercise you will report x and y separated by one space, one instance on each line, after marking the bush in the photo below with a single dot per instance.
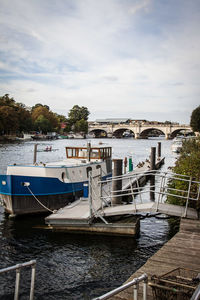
188 164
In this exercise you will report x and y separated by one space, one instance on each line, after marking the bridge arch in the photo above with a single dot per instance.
98 133
123 132
153 131
181 131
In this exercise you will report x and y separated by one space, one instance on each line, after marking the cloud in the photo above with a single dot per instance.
115 57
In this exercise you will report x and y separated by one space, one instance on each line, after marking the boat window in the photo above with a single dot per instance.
89 169
95 153
98 167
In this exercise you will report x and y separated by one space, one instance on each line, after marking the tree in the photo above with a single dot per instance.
187 164
42 110
39 104
78 117
7 101
24 118
15 117
42 124
9 119
81 126
195 119
77 113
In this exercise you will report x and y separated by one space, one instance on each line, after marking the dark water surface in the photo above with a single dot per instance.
75 266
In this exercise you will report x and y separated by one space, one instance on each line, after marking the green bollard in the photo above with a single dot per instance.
130 164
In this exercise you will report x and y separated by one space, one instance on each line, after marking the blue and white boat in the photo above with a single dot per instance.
34 188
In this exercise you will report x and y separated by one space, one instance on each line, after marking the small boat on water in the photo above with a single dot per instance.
177 145
47 149
34 188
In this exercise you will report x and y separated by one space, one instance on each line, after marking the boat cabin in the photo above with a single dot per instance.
95 153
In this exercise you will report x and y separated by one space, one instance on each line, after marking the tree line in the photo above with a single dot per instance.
16 118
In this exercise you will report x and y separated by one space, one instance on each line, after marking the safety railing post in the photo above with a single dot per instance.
90 193
17 282
145 287
32 281
161 191
132 193
138 187
135 291
188 196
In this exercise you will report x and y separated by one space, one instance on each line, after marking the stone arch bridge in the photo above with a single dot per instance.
137 130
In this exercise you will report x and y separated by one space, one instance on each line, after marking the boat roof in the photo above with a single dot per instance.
63 163
96 153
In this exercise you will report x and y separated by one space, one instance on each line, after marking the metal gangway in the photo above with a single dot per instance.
18 268
150 197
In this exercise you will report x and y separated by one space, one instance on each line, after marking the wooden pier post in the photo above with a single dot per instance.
35 154
117 183
88 151
159 150
152 178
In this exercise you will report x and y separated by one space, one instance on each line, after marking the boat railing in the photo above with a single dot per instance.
18 268
135 283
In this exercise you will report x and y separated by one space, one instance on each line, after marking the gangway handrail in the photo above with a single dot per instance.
18 268
135 282
150 172
163 190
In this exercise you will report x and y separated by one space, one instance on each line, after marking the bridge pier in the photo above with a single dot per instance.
167 136
137 136
109 135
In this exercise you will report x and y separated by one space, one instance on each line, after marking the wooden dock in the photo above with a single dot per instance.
182 251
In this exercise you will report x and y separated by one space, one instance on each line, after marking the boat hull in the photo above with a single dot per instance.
28 194
21 205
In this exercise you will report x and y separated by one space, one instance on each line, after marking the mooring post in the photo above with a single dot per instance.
130 164
88 151
152 168
117 183
159 150
35 154
125 164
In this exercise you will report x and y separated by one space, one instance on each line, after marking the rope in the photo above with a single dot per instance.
53 211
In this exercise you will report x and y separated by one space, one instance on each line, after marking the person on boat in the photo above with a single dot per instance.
47 148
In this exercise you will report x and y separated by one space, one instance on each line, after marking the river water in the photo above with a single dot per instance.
75 266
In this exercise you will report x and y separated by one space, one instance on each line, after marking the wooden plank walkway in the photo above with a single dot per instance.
183 250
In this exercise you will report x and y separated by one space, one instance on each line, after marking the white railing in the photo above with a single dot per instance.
139 193
135 283
18 268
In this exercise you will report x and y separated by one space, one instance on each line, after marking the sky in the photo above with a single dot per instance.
137 59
